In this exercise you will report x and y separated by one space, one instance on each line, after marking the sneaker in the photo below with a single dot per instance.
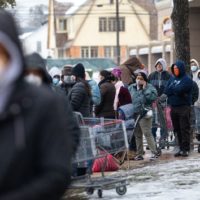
178 154
147 147
138 158
154 157
185 154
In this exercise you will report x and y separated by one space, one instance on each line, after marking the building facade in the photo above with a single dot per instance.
164 45
91 30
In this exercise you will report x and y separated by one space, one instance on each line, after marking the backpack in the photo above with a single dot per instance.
95 91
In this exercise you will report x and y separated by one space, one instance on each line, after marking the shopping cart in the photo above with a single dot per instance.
99 138
195 126
162 120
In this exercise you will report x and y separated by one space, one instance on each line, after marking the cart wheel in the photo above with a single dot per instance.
100 193
121 190
90 191
199 148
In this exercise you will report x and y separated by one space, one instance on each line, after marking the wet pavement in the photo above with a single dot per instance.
167 178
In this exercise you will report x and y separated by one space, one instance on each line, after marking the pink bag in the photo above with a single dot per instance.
167 112
111 164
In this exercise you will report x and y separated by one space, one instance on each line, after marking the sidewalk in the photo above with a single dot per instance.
166 156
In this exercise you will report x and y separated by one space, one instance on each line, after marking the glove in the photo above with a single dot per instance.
163 98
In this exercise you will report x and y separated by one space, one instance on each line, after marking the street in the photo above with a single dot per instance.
173 179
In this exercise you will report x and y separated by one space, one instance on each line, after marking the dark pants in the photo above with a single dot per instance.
181 123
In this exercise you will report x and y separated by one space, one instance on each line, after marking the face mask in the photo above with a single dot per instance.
56 81
137 81
33 79
194 68
176 71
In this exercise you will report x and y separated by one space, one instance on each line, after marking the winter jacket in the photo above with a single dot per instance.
80 99
96 94
105 108
195 92
179 89
159 79
35 61
122 95
35 137
143 98
128 68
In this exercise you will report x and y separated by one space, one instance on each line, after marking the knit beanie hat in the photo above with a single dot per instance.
79 71
144 76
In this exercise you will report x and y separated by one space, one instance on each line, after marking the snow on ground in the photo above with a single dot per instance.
176 180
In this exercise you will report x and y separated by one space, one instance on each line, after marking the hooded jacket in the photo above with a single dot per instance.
35 61
179 89
159 79
194 74
35 139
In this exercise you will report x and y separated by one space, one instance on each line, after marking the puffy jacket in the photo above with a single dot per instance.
80 99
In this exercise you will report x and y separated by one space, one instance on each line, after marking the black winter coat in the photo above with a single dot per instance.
80 99
35 146
35 134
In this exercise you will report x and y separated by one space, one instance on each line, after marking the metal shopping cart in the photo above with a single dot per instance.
195 126
162 120
100 137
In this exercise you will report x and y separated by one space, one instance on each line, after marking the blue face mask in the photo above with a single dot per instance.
56 81
194 68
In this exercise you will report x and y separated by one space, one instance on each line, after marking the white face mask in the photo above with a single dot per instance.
33 79
194 68
137 81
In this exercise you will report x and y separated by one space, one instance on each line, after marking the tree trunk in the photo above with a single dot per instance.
6 3
180 19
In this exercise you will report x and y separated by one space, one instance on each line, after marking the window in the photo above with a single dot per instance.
85 52
110 24
39 46
94 52
89 52
110 51
62 26
102 24
107 52
122 24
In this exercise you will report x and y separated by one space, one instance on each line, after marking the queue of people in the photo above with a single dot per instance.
39 133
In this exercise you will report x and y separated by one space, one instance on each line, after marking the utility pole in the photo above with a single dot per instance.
117 32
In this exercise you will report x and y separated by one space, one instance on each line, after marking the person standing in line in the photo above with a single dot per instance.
179 93
107 89
194 66
143 94
35 146
80 94
159 79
